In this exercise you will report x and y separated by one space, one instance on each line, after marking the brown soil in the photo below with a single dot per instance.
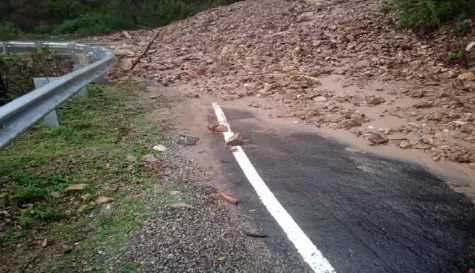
342 66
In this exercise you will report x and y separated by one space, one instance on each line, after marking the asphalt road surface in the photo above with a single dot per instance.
364 213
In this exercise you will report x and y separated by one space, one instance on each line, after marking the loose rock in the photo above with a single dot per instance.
217 128
234 140
104 200
467 76
228 198
75 188
188 140
376 139
160 148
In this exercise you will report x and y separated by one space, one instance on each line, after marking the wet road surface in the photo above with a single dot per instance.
365 213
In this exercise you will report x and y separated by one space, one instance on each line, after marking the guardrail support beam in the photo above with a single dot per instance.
51 120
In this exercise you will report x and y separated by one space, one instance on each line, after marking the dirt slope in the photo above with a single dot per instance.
342 65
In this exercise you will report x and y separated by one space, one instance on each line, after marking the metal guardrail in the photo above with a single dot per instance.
22 113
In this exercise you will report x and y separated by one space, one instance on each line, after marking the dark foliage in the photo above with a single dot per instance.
427 15
92 16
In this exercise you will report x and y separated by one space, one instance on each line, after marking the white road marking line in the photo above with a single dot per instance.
222 121
302 243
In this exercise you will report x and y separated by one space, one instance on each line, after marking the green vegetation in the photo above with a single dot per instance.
426 15
129 268
8 31
100 143
456 56
58 17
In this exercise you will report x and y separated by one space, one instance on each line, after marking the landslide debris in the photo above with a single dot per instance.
340 64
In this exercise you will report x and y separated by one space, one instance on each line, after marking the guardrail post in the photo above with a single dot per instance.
4 47
82 61
51 119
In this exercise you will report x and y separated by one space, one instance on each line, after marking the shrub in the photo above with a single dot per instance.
456 56
30 194
46 215
93 23
8 31
43 214
98 16
430 14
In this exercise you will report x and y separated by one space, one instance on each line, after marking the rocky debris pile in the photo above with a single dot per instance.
342 65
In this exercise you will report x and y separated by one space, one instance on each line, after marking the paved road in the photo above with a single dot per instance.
365 213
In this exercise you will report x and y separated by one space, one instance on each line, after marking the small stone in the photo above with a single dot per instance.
84 208
193 95
405 144
376 139
460 122
104 200
254 105
228 198
424 104
188 140
217 128
44 243
56 194
470 46
131 158
422 146
181 206
159 148
375 100
305 17
320 99
467 76
437 157
350 123
234 140
149 158
461 158
67 249
86 197
75 188
427 140
254 234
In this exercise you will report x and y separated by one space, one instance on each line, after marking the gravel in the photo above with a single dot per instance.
193 230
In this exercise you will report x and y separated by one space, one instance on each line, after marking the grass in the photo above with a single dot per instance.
112 228
30 194
91 146
129 268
